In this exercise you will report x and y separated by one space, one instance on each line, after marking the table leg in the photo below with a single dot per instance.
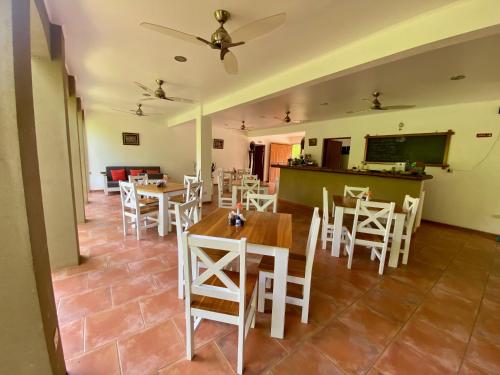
337 230
163 215
279 293
234 195
396 240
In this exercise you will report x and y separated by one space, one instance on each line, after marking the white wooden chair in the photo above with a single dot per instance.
249 187
136 179
140 215
371 228
410 207
186 215
218 294
190 179
357 192
299 273
326 225
223 202
262 202
194 190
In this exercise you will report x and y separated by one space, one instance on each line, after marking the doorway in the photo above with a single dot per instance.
279 153
336 153
258 161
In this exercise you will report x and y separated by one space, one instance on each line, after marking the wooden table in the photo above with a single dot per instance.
171 189
267 234
347 205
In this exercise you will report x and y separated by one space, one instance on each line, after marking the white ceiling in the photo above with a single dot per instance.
106 49
422 80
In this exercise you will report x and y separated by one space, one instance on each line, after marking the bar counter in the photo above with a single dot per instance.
303 184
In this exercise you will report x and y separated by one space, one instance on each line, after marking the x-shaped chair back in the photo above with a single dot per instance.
203 284
249 187
356 192
128 195
410 207
374 218
262 202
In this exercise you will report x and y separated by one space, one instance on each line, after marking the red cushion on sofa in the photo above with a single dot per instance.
152 171
118 174
136 172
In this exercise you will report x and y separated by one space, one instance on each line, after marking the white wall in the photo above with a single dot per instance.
173 149
266 140
466 197
235 151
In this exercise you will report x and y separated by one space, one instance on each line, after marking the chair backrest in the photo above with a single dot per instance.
128 195
186 215
356 192
325 206
214 281
262 202
188 179
249 187
312 240
410 207
374 218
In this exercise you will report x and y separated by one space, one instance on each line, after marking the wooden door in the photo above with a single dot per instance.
278 154
258 161
332 154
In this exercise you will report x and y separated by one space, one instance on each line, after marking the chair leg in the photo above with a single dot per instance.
262 291
382 261
241 348
138 227
323 237
189 336
406 251
305 303
372 255
252 325
350 254
124 220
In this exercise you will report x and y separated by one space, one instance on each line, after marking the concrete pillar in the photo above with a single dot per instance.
204 153
82 138
52 134
74 143
28 323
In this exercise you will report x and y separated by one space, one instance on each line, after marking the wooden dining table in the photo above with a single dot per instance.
162 193
347 205
267 234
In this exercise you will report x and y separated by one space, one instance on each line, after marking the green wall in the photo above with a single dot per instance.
305 187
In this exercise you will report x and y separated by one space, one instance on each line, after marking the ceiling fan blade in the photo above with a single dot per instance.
145 88
153 98
174 33
258 28
230 63
359 110
399 106
180 100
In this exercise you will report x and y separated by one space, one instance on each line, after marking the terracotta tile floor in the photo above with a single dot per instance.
119 312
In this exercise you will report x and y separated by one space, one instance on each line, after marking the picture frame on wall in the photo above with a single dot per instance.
313 141
218 144
130 139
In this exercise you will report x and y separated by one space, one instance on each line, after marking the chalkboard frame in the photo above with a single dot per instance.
443 164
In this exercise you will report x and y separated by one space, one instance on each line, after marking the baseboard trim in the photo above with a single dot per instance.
490 236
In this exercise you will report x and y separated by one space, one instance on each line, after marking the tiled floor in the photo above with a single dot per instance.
119 312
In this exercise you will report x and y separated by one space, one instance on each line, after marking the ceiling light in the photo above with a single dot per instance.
180 58
324 103
457 77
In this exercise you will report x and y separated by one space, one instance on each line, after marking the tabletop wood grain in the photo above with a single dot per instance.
170 187
350 202
261 228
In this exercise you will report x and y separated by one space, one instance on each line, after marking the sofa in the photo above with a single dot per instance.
112 183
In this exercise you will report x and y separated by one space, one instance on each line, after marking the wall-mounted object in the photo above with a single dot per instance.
130 139
484 135
218 144
313 141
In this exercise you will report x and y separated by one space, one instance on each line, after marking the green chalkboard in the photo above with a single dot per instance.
429 148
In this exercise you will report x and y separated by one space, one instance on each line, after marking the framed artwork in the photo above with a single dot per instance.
130 139
218 144
313 141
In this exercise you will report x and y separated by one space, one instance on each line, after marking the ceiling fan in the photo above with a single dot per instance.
221 40
159 93
136 112
377 106
287 119
242 127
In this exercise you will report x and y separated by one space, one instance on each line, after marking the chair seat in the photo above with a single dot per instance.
369 237
296 264
178 199
148 201
144 209
224 306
